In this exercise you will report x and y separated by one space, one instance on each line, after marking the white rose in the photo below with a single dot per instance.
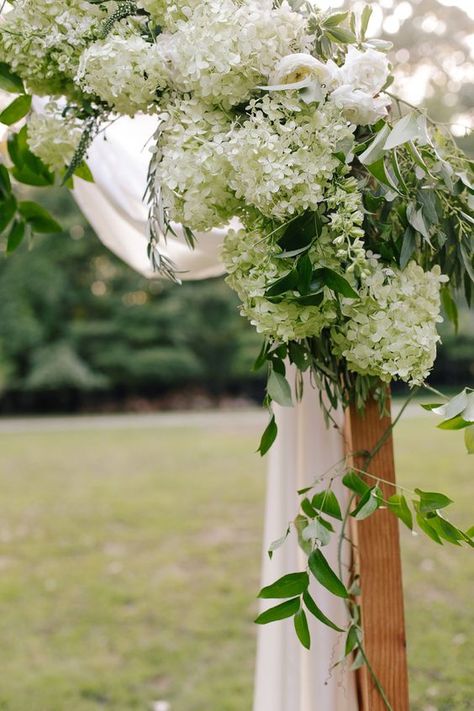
297 71
368 70
358 106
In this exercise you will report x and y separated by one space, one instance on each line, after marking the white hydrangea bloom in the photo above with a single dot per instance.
391 332
284 155
42 40
53 138
124 71
225 48
252 266
193 170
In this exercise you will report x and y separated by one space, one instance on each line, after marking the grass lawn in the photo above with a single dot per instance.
129 562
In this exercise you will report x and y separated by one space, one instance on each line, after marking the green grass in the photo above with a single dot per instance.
129 563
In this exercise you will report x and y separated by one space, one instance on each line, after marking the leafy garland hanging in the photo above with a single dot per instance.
356 210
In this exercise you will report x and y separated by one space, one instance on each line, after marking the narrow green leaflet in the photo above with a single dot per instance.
16 110
316 531
278 543
376 149
431 501
7 211
302 629
398 505
408 128
352 640
15 237
325 575
450 307
287 586
38 218
338 283
9 81
319 614
408 247
427 528
268 437
469 439
279 612
279 389
368 504
446 530
353 482
84 172
326 502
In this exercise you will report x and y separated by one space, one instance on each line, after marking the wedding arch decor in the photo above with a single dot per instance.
355 211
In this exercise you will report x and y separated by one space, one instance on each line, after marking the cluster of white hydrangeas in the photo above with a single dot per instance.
344 204
53 137
166 14
193 170
284 154
42 40
225 48
391 332
252 264
124 71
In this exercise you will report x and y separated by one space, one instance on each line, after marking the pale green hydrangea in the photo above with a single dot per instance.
53 137
284 154
124 71
391 332
225 48
192 170
42 41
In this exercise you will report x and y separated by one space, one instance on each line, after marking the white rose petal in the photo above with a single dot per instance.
358 106
367 71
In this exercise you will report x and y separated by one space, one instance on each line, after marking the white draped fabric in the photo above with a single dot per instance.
288 678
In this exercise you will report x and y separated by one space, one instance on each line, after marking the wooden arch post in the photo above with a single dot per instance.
379 564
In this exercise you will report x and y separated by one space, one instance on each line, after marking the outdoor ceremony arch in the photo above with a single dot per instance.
287 676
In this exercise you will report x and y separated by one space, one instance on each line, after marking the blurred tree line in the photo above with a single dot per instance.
78 328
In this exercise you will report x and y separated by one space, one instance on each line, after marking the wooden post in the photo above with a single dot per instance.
379 565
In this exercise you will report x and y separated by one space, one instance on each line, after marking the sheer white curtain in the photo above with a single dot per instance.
288 678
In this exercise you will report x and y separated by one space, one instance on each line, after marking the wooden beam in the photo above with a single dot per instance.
379 565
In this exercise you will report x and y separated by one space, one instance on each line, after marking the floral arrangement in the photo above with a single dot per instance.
356 214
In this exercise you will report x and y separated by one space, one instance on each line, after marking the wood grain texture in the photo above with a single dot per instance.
379 564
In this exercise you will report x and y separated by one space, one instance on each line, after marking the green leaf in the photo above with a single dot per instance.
308 509
16 110
279 389
408 247
325 575
5 182
302 629
301 523
335 19
352 640
9 81
450 307
28 168
278 543
431 501
340 34
380 172
319 614
368 504
426 528
38 218
279 612
326 502
287 586
338 283
446 530
469 439
15 237
353 482
7 211
454 407
84 172
365 19
398 505
268 437
304 269
416 219
376 149
317 531
406 129
301 232
455 423
289 282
